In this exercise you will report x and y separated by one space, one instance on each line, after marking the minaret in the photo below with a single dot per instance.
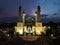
38 21
20 14
24 18
38 13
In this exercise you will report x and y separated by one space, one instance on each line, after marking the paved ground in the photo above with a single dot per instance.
42 40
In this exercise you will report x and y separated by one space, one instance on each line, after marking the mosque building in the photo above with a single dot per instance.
29 27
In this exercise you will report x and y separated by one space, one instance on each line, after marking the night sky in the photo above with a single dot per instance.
50 9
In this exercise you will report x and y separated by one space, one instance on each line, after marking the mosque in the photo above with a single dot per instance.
29 27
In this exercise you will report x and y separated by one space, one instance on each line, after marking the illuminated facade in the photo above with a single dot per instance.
24 29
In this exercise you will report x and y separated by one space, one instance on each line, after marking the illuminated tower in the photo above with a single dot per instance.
38 21
38 13
39 28
20 23
20 14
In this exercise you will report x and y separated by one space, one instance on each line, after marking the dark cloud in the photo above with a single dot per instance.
44 15
57 12
54 3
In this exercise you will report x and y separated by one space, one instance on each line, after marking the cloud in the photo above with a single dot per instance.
44 15
59 10
56 2
57 13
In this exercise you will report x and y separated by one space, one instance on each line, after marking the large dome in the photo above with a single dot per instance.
29 19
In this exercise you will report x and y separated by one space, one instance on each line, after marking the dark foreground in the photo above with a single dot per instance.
43 40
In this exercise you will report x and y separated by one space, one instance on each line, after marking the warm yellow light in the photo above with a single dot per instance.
20 31
38 32
49 27
44 26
